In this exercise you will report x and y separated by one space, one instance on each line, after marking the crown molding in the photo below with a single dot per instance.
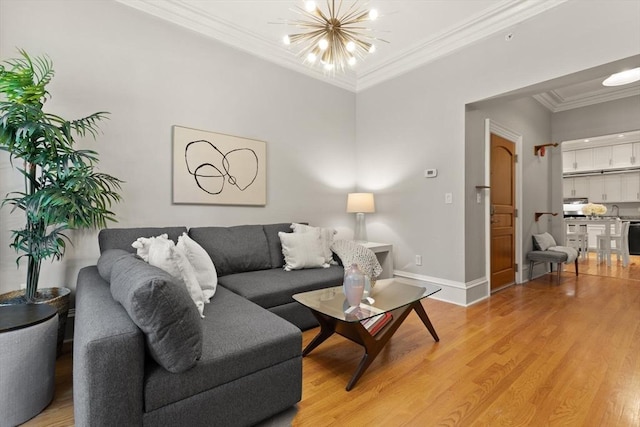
196 19
502 16
505 14
555 102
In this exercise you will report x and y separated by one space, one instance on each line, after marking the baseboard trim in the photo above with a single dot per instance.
459 293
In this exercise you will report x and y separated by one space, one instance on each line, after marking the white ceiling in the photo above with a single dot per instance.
418 31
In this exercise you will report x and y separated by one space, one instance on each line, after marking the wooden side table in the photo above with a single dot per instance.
384 254
28 334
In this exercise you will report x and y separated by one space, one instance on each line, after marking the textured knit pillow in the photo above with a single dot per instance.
302 250
164 254
326 238
142 245
544 241
202 264
162 309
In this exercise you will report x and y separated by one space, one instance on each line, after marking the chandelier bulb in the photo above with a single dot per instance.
351 46
328 66
323 44
286 40
352 61
311 57
373 14
310 6
372 48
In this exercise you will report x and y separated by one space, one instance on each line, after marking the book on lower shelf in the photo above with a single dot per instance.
374 324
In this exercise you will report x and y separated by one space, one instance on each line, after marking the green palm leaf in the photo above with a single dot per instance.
62 189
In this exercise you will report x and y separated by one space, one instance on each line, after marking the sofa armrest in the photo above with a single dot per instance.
108 357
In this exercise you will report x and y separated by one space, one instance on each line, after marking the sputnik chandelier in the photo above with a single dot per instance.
335 37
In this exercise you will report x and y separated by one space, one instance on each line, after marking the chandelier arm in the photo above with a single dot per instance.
318 15
318 20
355 17
310 36
332 9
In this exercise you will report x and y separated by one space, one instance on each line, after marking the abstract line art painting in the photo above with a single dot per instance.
213 168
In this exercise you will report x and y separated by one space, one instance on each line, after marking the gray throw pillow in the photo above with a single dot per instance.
108 259
543 241
162 309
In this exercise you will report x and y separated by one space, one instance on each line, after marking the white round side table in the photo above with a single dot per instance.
28 334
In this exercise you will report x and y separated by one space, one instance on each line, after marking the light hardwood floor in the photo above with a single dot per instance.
536 354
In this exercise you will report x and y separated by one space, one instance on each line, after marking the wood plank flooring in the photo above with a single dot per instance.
538 354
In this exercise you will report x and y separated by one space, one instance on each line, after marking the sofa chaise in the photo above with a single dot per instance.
249 364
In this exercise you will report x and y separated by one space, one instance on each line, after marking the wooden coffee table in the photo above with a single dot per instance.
330 308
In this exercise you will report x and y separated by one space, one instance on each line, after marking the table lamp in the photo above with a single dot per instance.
360 203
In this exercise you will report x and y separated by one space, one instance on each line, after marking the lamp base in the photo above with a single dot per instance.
361 228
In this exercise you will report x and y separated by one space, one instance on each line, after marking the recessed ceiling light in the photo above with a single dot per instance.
623 78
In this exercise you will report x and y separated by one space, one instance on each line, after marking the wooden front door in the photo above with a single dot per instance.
503 210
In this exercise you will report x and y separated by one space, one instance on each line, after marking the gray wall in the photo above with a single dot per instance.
417 121
596 120
151 75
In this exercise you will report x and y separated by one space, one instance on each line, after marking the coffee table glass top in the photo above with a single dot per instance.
386 295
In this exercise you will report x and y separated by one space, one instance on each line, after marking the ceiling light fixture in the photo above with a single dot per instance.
336 37
623 77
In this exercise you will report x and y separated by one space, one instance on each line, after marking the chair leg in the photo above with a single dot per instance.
576 261
531 264
558 268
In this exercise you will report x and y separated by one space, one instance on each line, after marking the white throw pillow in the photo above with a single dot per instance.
142 245
163 254
326 238
202 264
302 250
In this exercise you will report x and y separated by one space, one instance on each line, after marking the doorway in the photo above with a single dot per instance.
502 212
502 203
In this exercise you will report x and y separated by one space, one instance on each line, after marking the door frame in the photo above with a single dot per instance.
491 126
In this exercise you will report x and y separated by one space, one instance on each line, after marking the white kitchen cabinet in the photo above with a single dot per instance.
601 157
575 187
635 158
577 160
622 155
630 187
568 161
605 188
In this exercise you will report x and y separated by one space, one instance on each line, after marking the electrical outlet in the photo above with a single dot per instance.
448 198
418 259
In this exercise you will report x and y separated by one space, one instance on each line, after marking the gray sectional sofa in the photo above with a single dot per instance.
248 346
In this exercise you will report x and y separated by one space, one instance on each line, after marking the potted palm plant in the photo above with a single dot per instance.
63 190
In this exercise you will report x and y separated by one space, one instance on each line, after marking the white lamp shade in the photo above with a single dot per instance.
360 203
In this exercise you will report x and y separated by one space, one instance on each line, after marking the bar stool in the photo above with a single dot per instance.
621 249
578 238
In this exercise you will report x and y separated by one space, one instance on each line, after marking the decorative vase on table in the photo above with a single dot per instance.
353 285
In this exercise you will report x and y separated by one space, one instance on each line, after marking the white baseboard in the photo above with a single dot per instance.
459 293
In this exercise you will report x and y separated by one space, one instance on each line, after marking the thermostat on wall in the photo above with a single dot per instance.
430 173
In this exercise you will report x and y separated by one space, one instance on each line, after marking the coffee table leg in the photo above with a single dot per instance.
327 328
362 366
417 306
